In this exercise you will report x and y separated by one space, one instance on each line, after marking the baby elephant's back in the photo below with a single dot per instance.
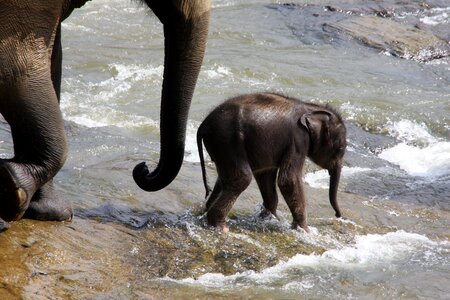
252 114
267 112
263 124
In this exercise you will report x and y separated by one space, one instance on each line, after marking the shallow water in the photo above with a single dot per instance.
126 243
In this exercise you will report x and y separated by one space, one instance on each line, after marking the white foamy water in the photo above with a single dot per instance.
321 180
411 132
419 153
133 73
218 71
191 149
105 103
431 161
437 16
374 254
109 117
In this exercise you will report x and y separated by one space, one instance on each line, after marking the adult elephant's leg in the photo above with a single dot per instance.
46 204
56 67
31 109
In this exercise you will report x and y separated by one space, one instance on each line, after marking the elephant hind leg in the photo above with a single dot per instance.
46 205
214 194
267 186
234 179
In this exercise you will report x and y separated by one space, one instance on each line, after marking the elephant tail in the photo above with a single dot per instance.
202 161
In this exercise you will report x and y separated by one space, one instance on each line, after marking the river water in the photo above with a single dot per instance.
396 179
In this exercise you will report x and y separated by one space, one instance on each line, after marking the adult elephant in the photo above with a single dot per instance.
30 80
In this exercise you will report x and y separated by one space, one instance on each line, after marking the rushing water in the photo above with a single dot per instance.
398 116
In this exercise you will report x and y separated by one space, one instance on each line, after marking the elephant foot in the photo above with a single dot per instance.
3 225
47 206
13 197
266 214
303 227
222 228
218 225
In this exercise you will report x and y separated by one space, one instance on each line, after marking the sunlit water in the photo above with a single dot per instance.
398 120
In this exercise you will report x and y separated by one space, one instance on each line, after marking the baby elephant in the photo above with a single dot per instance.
268 135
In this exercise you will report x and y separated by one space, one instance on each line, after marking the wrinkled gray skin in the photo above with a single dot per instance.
268 135
30 81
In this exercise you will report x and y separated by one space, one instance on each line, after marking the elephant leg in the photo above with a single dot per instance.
267 186
31 109
13 191
46 205
291 187
234 180
56 67
215 194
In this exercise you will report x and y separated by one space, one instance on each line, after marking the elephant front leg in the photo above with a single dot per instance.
15 187
47 205
291 187
295 199
9 190
31 109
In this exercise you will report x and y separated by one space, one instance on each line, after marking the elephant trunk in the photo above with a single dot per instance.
185 42
335 174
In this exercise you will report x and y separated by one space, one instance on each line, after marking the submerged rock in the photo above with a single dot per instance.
397 39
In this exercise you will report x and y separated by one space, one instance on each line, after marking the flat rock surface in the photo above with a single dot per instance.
405 30
398 39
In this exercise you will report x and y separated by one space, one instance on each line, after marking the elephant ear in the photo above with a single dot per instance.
316 123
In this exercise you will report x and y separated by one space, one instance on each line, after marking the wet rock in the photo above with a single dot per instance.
397 39
29 242
178 252
405 29
371 142
116 261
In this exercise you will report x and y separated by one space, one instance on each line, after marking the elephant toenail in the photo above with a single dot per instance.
21 195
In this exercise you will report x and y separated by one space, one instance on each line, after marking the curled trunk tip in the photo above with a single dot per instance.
153 181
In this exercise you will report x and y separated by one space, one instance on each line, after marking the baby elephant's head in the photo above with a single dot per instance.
328 141
328 138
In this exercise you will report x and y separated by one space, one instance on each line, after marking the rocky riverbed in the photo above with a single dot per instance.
115 253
